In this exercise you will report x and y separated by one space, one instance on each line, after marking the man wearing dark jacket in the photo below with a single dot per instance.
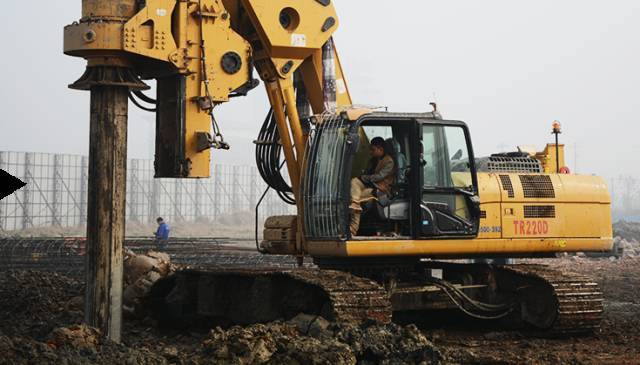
379 175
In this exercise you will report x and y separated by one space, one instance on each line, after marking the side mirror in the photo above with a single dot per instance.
457 156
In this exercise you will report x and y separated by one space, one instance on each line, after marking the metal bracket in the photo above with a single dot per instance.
148 33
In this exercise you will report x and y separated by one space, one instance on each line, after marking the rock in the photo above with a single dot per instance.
319 327
170 353
314 326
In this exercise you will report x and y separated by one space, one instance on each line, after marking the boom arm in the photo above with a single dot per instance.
287 37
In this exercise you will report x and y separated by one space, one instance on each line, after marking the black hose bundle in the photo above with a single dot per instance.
144 98
268 154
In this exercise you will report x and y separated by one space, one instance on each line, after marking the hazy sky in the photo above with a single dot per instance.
507 68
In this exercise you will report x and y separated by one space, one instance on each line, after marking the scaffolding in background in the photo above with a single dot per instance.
56 193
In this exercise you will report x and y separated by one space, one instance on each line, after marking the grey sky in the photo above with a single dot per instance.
507 68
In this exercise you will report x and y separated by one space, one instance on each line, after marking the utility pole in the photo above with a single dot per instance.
109 77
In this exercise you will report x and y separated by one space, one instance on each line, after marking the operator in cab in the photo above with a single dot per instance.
376 179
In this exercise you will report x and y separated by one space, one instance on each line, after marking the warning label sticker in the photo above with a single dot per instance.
298 40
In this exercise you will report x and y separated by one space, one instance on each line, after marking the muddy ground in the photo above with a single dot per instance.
38 312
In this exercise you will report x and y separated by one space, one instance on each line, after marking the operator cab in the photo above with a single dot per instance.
434 192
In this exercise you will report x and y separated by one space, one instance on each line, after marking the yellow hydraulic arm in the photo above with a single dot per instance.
287 37
202 52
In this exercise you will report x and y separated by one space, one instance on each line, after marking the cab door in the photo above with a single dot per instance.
449 204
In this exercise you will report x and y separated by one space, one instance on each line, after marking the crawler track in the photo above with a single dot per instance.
551 303
353 299
234 296
576 301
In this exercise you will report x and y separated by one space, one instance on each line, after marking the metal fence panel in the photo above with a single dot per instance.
56 193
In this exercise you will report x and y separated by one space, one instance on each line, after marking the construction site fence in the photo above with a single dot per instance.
56 193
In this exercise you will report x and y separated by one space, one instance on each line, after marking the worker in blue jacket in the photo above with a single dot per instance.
162 234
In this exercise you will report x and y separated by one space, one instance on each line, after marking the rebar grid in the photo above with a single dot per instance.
67 255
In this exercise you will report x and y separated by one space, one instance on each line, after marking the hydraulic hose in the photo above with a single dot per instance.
268 159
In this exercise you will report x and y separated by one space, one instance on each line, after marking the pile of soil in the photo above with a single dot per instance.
629 231
85 347
626 248
32 304
285 343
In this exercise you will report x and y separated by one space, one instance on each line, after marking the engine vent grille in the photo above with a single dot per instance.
539 211
506 185
483 214
537 186
499 163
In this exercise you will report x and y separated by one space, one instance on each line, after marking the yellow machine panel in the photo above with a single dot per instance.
546 206
291 34
548 158
520 214
148 33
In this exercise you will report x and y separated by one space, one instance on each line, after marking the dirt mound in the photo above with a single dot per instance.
627 248
276 343
34 303
22 350
285 343
78 336
628 231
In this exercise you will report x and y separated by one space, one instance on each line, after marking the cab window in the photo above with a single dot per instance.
446 175
445 157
